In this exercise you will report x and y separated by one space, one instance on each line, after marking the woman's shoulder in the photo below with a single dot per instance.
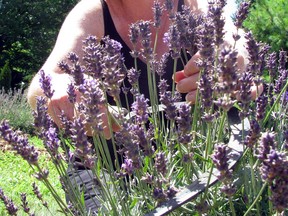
198 6
88 16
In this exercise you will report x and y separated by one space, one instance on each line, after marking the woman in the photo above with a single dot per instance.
113 18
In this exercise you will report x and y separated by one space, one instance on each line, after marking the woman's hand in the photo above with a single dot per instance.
59 104
187 79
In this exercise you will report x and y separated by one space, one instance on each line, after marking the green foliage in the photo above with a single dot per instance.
269 22
14 107
5 77
28 30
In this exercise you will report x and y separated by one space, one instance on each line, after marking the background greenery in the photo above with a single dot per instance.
268 21
28 30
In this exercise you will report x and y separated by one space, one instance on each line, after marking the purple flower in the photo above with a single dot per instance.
25 203
127 166
220 159
206 39
271 65
93 57
206 91
261 103
134 33
113 67
145 33
79 139
126 138
38 194
52 142
159 194
71 93
282 60
161 163
140 107
93 102
184 123
133 76
157 11
77 70
45 84
9 204
160 66
254 134
19 143
267 143
253 49
242 13
245 83
215 11
143 140
172 38
274 170
227 71
169 5
281 81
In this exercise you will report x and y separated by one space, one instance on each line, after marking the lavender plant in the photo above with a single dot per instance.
164 145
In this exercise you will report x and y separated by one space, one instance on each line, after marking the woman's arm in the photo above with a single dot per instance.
85 19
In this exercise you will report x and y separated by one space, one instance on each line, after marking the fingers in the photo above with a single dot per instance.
191 97
187 84
256 91
191 67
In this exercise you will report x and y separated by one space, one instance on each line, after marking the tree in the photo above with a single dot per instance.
5 77
268 21
28 30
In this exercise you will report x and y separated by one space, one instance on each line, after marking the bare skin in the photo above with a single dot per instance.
87 19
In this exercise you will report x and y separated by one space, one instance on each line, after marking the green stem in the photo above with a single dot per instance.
256 199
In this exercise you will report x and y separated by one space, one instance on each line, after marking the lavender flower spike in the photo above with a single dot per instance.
10 206
45 84
242 13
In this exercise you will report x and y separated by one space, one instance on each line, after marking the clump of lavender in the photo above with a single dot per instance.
9 204
274 170
220 159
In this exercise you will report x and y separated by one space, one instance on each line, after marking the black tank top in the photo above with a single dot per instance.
110 30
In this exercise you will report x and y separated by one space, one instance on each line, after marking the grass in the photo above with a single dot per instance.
16 177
